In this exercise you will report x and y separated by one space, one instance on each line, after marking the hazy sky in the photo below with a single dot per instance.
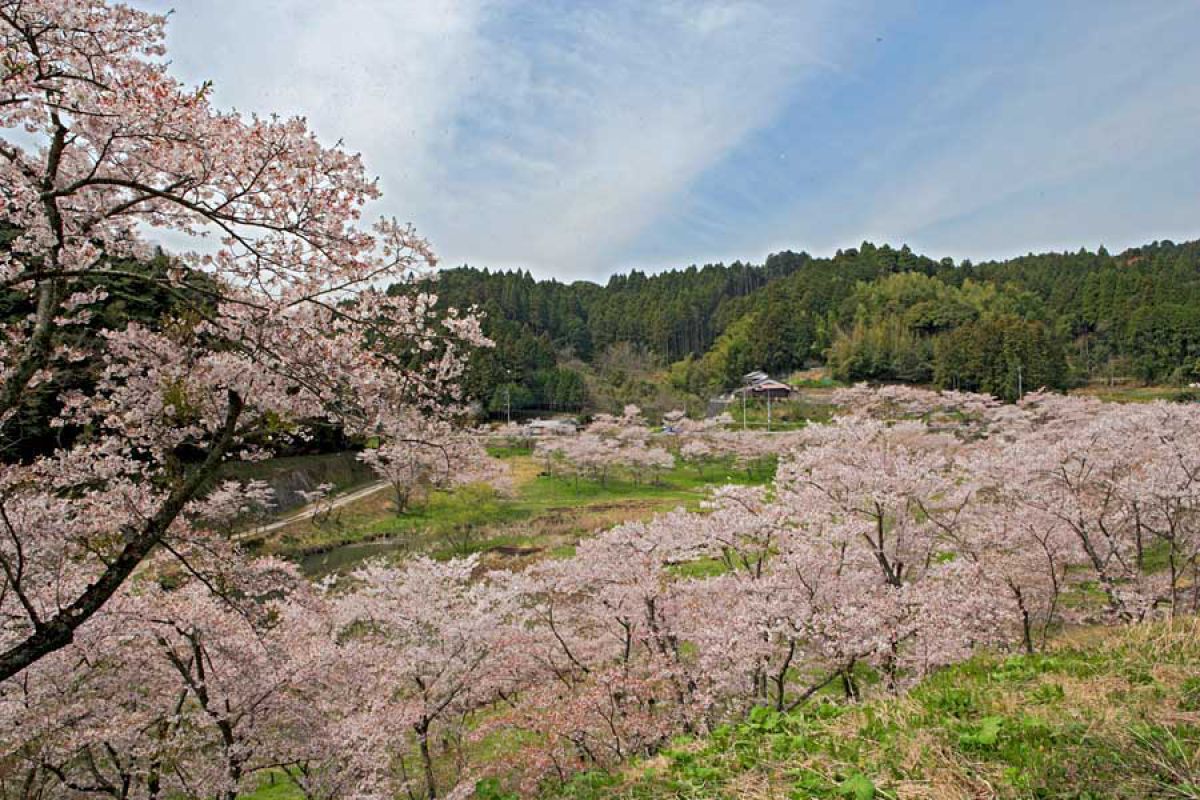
578 139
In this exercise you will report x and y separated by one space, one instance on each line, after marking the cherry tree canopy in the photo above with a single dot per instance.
281 320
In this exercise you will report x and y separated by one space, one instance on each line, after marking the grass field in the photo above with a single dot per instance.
546 516
804 406
1130 393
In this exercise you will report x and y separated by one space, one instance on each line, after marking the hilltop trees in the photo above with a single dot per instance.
918 329
1003 357
871 313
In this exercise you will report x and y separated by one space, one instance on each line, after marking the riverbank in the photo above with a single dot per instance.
544 517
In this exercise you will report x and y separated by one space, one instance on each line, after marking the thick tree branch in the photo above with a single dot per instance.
58 631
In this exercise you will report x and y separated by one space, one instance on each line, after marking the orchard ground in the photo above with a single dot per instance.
1104 713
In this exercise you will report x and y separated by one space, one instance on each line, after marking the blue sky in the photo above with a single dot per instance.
578 139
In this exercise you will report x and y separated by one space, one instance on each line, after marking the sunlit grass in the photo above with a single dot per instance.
1124 393
545 517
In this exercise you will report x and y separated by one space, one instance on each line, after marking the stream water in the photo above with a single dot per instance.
347 556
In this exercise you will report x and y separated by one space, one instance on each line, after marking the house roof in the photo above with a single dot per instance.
551 423
770 385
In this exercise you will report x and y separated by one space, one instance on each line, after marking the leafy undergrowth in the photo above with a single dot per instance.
1104 714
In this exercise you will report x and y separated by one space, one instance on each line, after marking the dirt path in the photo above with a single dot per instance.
311 510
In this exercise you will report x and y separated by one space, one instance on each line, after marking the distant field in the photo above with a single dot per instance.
1129 393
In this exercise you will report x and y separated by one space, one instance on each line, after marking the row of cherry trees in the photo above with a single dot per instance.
609 443
905 535
625 444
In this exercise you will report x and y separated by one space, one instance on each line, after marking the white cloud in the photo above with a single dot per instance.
565 136
532 134
386 77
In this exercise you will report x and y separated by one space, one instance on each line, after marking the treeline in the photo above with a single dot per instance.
553 339
872 313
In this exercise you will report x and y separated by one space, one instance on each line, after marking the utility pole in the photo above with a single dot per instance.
743 408
768 410
507 396
1020 385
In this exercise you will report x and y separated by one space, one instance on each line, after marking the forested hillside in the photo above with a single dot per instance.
870 313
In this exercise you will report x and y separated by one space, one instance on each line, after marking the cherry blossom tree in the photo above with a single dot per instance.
283 322
889 500
1021 549
610 442
586 455
176 689
425 637
1164 499
606 675
421 453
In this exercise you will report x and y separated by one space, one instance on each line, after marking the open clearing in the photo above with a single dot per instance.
546 516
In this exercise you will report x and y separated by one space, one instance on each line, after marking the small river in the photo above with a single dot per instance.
346 557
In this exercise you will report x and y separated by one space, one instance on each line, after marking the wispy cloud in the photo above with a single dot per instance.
1044 140
546 135
578 139
598 122
385 76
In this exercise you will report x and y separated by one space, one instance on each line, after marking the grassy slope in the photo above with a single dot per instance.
1105 714
1109 713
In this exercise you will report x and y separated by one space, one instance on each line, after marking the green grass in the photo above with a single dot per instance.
700 568
786 415
1128 393
275 785
512 450
1106 714
546 517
